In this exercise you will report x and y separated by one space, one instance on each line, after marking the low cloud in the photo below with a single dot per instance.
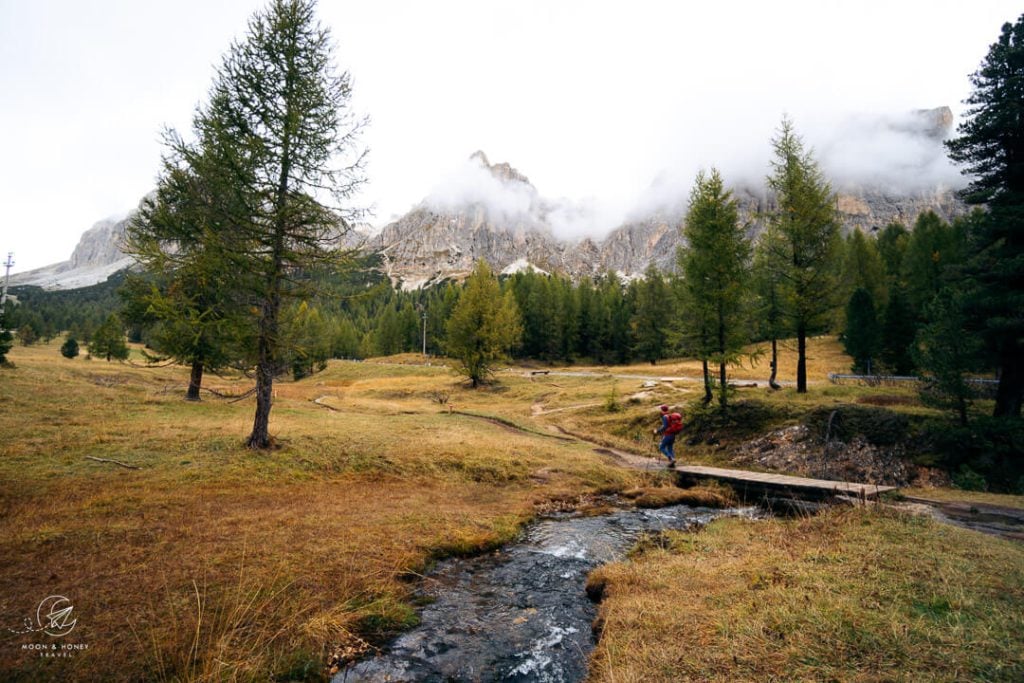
901 153
511 201
472 184
896 154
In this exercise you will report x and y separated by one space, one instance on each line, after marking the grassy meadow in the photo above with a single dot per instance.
210 561
846 595
201 560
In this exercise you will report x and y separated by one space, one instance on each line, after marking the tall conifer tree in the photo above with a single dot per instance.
716 270
280 157
484 327
808 239
991 144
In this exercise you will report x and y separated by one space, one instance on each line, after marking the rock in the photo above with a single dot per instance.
97 256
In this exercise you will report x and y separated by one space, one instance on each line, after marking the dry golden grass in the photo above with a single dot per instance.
957 495
211 562
711 496
849 595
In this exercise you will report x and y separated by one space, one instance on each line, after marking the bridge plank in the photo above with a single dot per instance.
784 481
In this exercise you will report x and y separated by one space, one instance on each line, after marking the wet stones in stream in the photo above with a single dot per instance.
520 614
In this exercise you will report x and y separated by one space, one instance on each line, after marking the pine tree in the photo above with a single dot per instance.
862 336
863 268
27 335
932 248
808 240
991 145
652 316
892 244
946 351
6 342
716 275
69 349
589 320
898 331
308 342
484 327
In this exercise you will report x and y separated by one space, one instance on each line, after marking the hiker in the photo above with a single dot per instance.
671 424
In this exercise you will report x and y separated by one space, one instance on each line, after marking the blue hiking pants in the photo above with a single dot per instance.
667 446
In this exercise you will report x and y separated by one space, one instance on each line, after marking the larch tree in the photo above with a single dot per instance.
767 283
280 144
484 326
184 295
716 274
808 240
108 340
933 247
991 145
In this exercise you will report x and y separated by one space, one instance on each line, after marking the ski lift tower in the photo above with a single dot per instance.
7 278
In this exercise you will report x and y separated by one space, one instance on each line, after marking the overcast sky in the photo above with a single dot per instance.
592 100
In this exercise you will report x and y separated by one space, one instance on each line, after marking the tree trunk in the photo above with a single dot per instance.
724 394
195 381
1011 385
266 358
801 359
723 400
707 382
260 437
775 364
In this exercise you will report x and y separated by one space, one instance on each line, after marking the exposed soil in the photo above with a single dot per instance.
794 450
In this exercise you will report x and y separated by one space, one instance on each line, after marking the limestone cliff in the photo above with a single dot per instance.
431 242
97 256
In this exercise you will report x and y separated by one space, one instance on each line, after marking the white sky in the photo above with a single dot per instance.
591 100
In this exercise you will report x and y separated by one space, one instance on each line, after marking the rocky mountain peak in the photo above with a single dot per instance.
937 123
502 171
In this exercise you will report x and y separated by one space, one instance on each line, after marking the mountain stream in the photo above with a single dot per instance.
521 613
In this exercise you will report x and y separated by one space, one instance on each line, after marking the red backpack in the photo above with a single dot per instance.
675 424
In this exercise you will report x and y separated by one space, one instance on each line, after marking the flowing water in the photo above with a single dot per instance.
520 614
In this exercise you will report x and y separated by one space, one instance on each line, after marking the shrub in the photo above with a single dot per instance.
969 480
611 403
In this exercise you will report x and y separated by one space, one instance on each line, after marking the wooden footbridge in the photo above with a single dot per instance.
749 484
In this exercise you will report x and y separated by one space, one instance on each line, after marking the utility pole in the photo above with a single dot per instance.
7 278
424 333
